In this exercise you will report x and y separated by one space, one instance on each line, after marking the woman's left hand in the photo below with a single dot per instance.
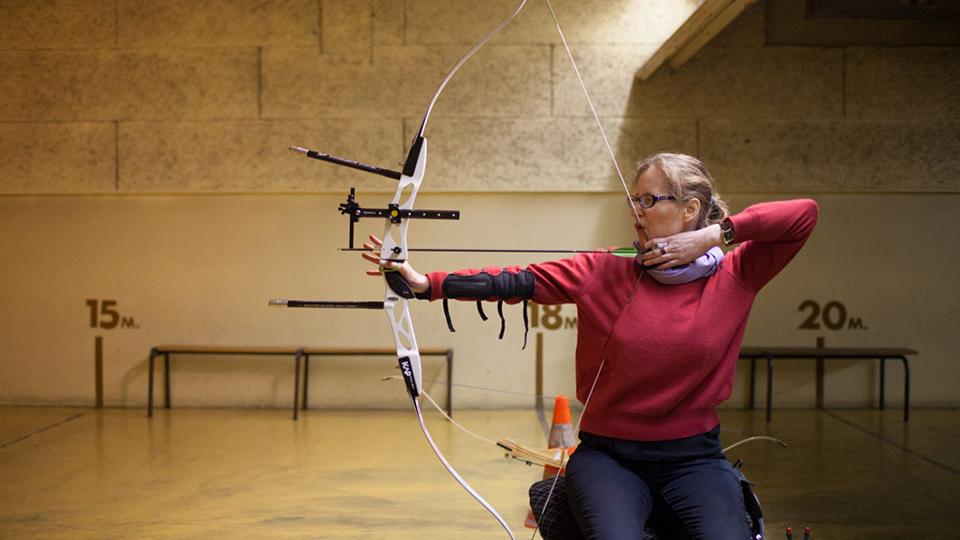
679 249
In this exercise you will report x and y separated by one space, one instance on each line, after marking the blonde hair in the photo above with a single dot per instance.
689 179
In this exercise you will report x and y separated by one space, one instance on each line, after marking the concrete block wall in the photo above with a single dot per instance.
201 79
150 106
194 80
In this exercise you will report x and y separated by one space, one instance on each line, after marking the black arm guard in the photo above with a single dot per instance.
483 286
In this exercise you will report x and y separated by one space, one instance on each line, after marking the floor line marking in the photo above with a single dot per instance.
41 430
892 442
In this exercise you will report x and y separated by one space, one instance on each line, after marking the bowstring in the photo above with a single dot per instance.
633 208
606 143
583 412
593 110
487 440
455 423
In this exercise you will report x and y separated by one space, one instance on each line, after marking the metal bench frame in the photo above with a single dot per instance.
820 354
301 355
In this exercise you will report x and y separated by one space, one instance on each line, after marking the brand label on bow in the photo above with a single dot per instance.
407 371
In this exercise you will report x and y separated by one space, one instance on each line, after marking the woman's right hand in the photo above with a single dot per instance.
418 282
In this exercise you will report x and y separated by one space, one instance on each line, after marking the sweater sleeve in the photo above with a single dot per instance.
771 234
555 282
564 281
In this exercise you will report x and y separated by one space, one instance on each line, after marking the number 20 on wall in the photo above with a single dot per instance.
832 315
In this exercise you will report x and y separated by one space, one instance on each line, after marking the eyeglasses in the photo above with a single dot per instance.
647 200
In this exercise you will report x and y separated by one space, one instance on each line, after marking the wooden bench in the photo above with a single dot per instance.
299 355
819 354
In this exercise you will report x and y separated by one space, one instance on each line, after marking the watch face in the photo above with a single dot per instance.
726 230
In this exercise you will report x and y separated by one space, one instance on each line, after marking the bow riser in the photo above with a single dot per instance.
398 291
394 246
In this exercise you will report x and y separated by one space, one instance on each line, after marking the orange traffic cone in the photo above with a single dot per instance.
561 436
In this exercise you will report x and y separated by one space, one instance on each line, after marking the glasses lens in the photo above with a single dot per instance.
646 200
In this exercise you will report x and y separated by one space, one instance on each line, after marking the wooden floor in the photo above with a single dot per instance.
83 473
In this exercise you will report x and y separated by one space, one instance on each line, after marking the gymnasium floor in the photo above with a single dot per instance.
215 473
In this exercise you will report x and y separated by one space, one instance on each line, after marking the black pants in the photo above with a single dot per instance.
612 485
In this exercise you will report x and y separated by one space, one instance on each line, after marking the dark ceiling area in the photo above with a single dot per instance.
891 23
884 9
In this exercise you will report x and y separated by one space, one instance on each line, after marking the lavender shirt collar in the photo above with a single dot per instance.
703 266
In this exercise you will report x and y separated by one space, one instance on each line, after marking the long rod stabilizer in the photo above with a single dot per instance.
346 162
335 304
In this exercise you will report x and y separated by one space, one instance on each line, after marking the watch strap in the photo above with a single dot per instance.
727 234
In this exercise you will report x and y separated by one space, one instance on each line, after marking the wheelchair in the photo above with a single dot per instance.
556 521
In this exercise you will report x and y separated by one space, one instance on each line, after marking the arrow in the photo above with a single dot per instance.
619 252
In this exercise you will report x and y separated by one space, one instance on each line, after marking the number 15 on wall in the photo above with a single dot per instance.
104 314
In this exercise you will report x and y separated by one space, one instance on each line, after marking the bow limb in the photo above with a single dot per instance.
397 305
395 249
463 59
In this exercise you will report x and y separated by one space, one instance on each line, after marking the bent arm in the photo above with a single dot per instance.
771 234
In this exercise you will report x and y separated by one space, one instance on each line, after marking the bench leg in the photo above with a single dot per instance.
769 387
296 383
166 381
906 389
450 383
883 383
819 378
150 384
306 379
753 383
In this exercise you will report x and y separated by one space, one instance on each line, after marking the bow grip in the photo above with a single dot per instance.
397 284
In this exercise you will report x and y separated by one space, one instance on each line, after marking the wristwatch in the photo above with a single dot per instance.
726 232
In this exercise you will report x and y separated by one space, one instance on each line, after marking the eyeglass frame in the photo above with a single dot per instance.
638 201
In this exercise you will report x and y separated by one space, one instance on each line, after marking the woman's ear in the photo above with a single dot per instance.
691 211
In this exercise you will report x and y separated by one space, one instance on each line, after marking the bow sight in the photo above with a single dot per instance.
352 208
393 212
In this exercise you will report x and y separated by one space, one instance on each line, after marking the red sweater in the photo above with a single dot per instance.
669 351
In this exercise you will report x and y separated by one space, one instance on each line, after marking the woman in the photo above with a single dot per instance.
658 340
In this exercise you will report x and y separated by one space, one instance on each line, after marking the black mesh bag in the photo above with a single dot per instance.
557 522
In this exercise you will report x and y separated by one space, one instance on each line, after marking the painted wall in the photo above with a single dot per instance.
143 160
